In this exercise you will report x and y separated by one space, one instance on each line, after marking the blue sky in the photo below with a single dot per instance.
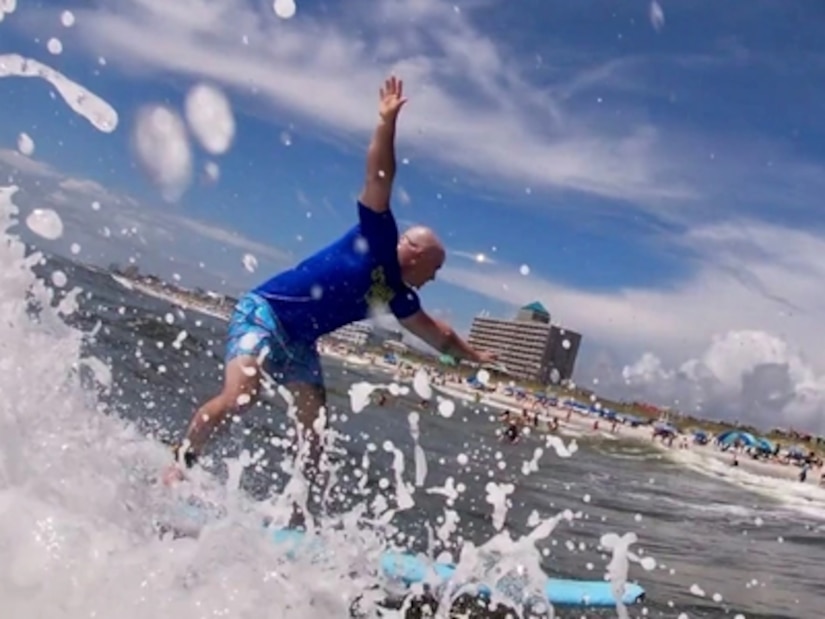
662 181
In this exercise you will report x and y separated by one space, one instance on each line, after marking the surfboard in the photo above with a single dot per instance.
410 569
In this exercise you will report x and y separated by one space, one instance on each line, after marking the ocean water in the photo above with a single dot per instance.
95 376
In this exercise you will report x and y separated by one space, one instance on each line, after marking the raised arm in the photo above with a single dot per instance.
443 338
381 153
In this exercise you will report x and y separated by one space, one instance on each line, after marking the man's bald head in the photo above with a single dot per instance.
420 254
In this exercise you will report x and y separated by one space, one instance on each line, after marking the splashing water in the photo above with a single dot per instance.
657 16
46 223
79 499
67 19
250 262
162 147
421 384
25 144
84 102
55 46
7 7
285 9
418 452
210 117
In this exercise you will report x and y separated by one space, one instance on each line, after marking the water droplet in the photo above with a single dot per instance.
361 245
421 384
67 19
648 563
446 408
212 170
285 9
54 46
25 144
46 223
162 147
250 262
657 16
59 279
210 117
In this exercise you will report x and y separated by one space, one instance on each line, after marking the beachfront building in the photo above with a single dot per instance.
529 345
365 333
355 334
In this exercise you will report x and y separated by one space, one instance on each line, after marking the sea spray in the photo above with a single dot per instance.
232 567
421 384
403 494
618 566
419 457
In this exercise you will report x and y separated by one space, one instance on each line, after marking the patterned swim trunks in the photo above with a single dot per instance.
255 331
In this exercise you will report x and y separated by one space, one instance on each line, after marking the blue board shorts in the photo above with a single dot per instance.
255 331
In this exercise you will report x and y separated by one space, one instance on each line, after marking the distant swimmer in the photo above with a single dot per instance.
370 269
512 430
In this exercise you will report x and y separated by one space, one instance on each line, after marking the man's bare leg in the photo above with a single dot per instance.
242 377
309 400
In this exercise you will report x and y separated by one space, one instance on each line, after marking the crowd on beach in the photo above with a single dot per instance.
521 412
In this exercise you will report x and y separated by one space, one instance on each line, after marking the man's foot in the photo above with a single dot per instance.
172 475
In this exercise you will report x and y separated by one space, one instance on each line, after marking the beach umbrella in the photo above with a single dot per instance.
731 437
764 445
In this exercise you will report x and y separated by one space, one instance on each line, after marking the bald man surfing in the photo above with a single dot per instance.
368 270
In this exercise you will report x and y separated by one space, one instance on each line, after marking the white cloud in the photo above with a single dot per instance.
738 338
469 101
472 98
120 228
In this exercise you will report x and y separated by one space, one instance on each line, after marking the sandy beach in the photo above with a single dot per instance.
707 458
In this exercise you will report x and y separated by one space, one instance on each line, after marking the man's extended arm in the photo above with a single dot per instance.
443 337
381 152
380 167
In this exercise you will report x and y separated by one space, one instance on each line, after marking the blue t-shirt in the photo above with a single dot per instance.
355 277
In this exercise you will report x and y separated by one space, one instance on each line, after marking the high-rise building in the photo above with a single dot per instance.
528 345
365 333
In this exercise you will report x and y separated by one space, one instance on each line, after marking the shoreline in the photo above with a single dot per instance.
572 423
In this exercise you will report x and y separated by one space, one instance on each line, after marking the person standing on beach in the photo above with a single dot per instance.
371 268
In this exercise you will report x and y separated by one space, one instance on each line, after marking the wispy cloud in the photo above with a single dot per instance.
106 226
469 103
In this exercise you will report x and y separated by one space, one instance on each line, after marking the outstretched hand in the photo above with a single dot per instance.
486 356
391 98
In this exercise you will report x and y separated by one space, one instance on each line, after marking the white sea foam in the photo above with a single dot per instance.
806 499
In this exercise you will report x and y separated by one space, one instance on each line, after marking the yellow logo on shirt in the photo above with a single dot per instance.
379 292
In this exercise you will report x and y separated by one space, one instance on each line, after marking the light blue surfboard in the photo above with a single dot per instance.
409 569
